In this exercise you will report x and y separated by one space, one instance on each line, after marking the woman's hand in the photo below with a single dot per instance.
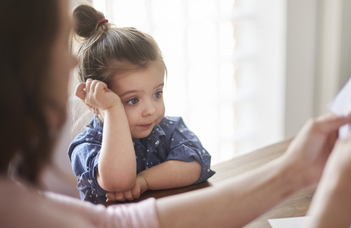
312 146
331 203
139 188
339 162
96 95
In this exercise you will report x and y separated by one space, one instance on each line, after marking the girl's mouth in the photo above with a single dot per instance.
146 125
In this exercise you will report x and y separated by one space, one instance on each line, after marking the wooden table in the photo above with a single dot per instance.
292 207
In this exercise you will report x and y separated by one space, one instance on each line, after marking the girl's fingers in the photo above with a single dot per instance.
93 85
87 87
100 90
128 195
95 95
79 92
119 196
110 196
136 192
100 86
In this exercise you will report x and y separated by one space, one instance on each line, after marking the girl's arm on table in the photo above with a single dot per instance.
187 163
245 198
117 165
169 174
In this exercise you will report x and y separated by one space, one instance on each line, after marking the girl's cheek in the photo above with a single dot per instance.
129 114
162 108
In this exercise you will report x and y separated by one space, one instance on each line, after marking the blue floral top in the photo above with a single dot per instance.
169 140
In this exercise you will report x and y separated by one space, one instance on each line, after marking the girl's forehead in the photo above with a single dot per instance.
130 71
139 78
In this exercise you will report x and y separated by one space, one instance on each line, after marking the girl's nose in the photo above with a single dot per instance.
149 109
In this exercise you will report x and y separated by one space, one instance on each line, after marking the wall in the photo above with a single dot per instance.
300 63
318 57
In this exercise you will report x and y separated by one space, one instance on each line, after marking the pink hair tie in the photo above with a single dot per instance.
102 21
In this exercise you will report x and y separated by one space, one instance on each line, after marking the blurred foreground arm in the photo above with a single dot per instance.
331 205
245 198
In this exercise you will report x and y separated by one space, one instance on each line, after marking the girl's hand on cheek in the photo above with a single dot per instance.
139 188
96 94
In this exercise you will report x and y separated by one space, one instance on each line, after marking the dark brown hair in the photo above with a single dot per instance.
107 48
28 31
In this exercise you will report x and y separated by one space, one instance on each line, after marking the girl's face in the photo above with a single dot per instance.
62 62
141 92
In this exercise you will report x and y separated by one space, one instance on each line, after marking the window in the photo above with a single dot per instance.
216 81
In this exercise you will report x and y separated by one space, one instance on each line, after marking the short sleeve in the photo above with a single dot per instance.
84 160
185 146
134 215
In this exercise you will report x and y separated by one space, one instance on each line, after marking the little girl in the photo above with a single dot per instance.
129 146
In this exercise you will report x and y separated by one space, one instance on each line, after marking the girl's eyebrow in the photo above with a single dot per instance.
162 84
133 91
128 92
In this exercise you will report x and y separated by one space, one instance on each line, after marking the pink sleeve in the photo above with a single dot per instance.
138 215
141 214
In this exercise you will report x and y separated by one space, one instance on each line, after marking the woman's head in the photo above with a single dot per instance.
32 94
107 50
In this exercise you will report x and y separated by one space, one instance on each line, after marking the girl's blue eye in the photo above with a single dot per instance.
158 94
133 101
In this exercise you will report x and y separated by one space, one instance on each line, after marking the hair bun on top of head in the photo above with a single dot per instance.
87 20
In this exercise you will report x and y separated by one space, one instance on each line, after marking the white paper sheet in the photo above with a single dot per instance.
341 106
294 222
